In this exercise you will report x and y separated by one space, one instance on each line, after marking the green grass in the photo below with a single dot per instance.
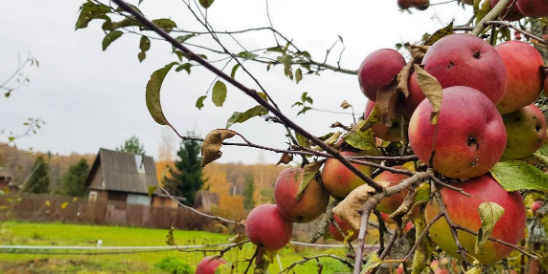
19 233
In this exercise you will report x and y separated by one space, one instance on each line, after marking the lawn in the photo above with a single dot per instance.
57 234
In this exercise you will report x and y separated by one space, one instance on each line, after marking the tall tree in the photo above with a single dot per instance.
38 182
187 176
249 189
132 145
72 184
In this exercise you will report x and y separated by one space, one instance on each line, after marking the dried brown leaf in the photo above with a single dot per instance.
432 90
345 105
286 158
211 148
417 51
387 98
348 209
403 79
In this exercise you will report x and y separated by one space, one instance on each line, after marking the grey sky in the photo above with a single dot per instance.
91 99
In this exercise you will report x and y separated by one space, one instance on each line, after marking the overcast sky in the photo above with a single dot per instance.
91 99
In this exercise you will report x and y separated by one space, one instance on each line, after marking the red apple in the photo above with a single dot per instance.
405 4
338 179
391 134
463 211
470 133
266 227
209 264
526 131
378 69
344 226
525 77
421 4
313 201
510 15
536 205
387 179
533 8
466 60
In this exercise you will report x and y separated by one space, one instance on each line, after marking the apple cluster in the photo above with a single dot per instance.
487 115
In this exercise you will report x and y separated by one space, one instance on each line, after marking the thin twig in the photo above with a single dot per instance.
495 11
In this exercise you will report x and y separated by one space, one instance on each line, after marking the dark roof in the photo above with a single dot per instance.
120 172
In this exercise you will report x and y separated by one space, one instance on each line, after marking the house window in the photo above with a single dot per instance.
140 164
93 196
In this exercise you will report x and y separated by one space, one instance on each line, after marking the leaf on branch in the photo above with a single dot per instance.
387 98
285 159
234 69
120 9
166 24
448 30
373 261
90 11
303 110
247 55
417 51
489 213
310 172
240 117
219 93
126 22
432 90
332 139
144 44
240 237
360 139
200 102
298 75
303 141
286 61
203 56
275 49
170 240
211 147
423 193
403 79
151 190
206 3
517 175
111 37
180 55
374 118
182 39
185 66
153 94
345 105
141 56
349 208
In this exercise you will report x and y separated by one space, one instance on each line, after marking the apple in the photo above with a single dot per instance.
470 134
466 60
338 179
378 69
344 226
510 15
266 227
526 131
209 264
387 179
463 211
405 4
391 134
535 206
533 8
313 201
421 4
525 77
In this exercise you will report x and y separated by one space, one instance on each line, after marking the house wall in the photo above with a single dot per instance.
164 202
138 199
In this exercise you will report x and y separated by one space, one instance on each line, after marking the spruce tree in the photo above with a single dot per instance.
39 178
249 188
72 183
187 176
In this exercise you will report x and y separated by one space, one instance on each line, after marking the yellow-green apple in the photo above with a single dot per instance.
421 4
523 64
510 15
378 69
526 131
470 135
312 203
209 264
466 60
393 133
338 179
387 179
533 8
405 4
266 227
463 211
345 228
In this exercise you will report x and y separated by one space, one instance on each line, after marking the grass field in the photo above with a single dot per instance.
19 233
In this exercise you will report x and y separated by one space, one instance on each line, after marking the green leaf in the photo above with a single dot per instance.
423 193
224 268
144 44
364 140
180 55
200 102
141 56
275 49
298 75
151 190
88 12
489 213
286 61
247 55
304 110
305 54
517 175
203 56
166 24
240 117
126 22
482 11
182 39
153 94
11 138
185 66
333 138
439 34
373 261
310 172
111 37
170 240
303 141
219 93
140 1
234 69
340 38
206 3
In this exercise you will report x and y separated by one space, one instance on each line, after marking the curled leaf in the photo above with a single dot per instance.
349 208
153 94
310 172
387 98
240 117
298 75
432 90
448 30
345 105
170 240
417 51
360 139
200 102
333 138
285 159
211 147
403 79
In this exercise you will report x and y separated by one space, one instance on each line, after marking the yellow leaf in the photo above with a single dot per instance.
64 205
75 199
48 203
